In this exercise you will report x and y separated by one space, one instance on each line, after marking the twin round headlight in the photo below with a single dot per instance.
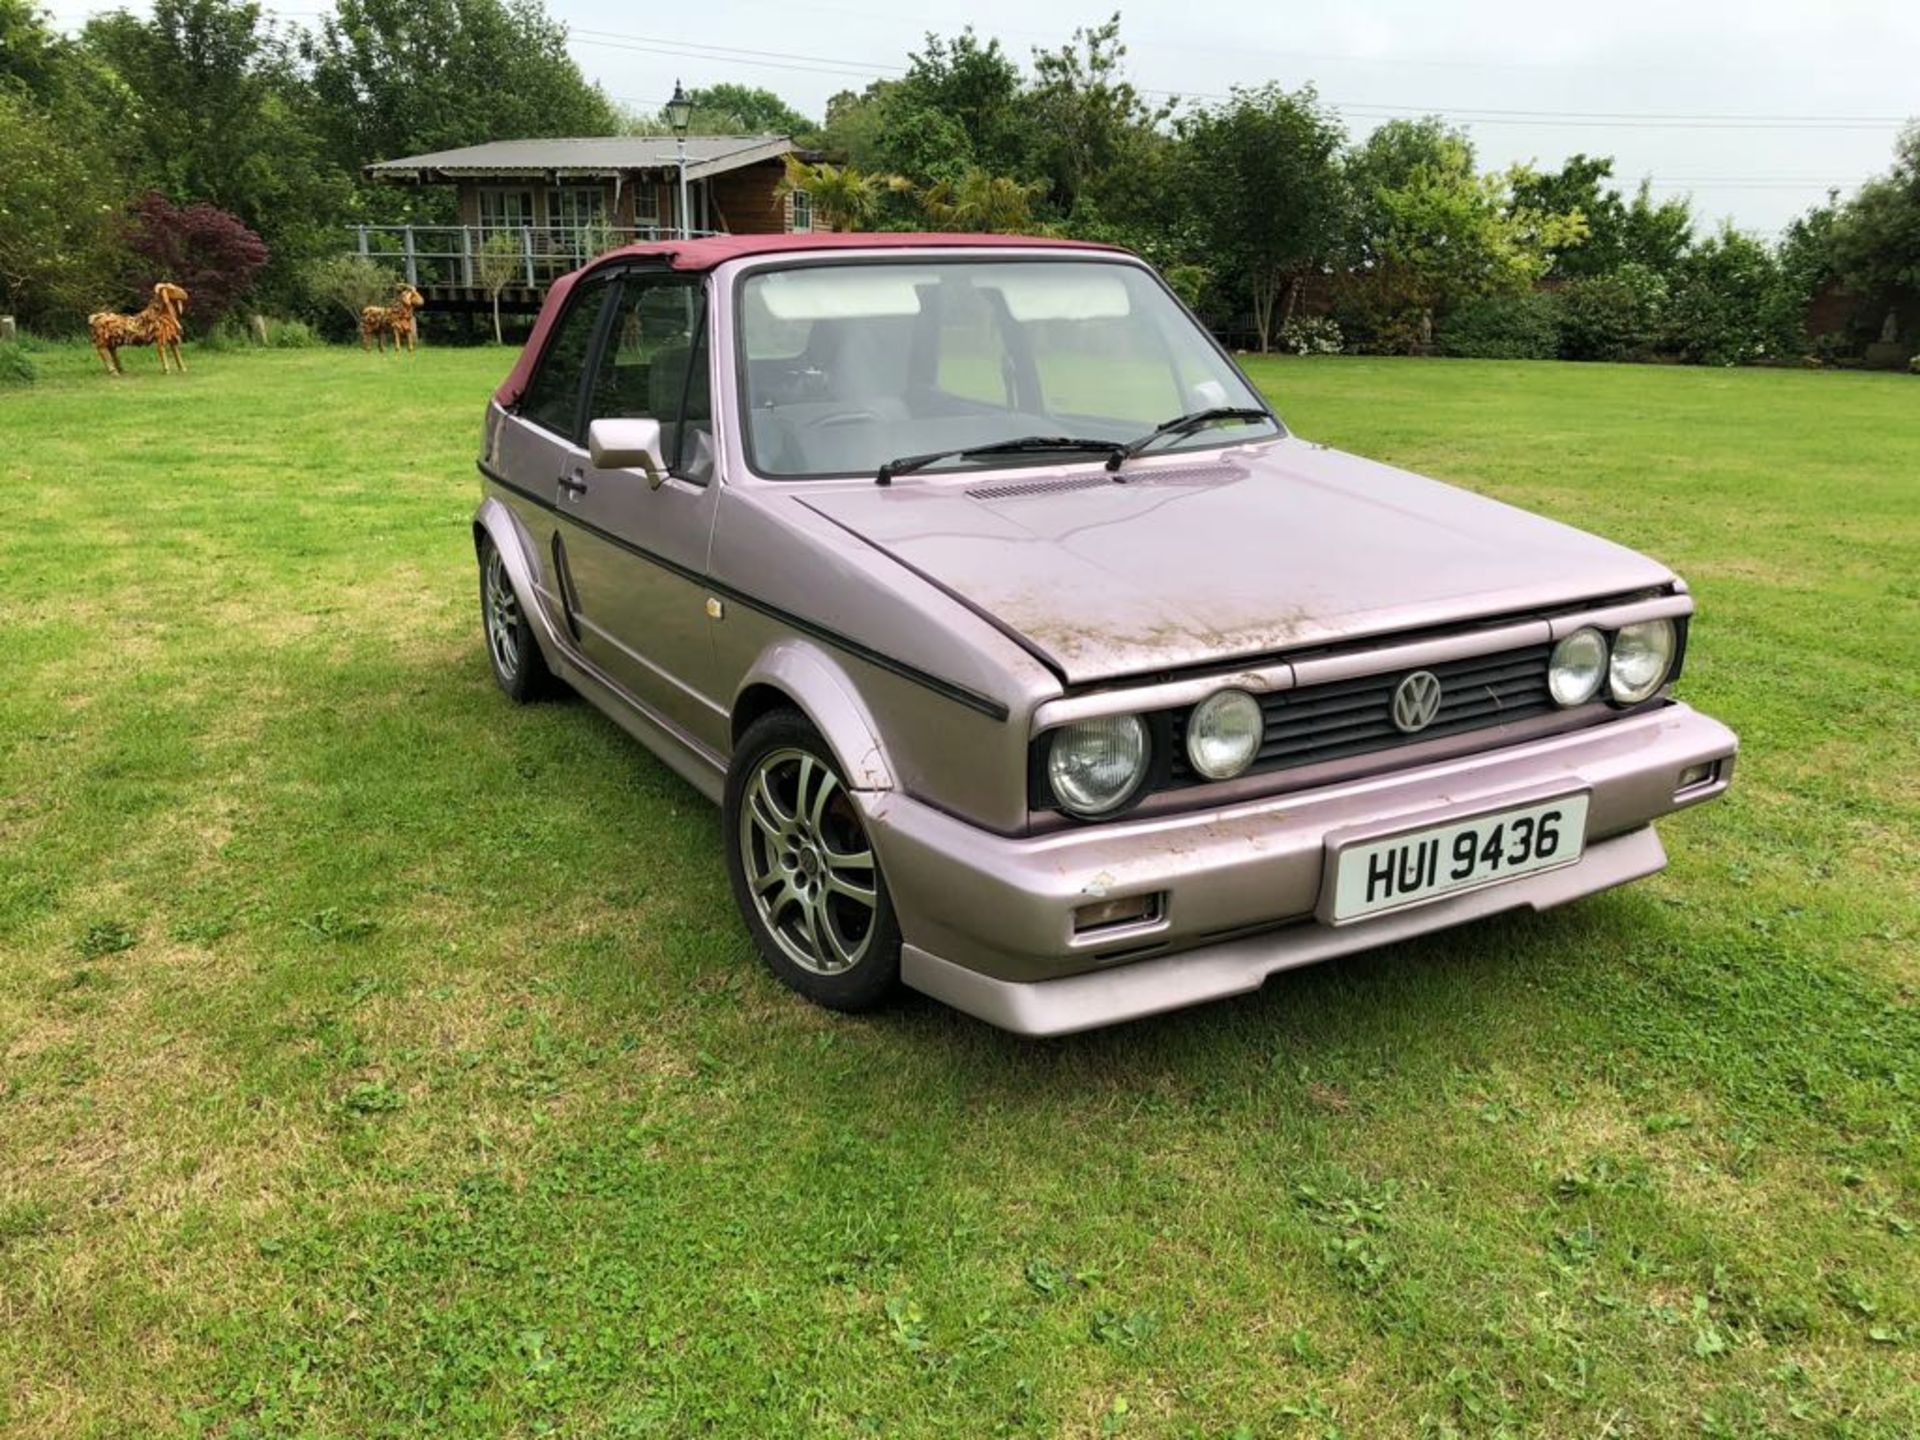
1096 766
1635 666
1224 733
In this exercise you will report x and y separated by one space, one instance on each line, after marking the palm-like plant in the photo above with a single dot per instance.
982 202
843 198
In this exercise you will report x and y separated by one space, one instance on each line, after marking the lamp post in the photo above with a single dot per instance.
679 113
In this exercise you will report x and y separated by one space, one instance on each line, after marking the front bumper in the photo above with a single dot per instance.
988 920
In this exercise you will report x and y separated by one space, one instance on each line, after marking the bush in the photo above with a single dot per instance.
17 370
1312 335
292 335
1913 366
200 246
1731 305
1612 317
1503 327
353 282
229 334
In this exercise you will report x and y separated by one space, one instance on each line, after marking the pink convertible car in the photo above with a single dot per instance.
1034 662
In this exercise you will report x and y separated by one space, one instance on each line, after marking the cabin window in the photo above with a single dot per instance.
802 213
646 204
503 209
577 206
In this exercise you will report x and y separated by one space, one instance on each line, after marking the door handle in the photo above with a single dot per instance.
573 484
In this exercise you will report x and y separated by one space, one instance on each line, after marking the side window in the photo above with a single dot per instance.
552 400
654 366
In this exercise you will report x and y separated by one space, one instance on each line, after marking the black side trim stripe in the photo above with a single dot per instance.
959 694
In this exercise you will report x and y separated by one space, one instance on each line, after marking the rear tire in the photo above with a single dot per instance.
804 873
513 652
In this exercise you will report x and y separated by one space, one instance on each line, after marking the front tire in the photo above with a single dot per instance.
512 651
803 869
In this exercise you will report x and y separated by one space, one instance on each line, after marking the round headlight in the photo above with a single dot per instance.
1223 734
1095 765
1578 667
1642 656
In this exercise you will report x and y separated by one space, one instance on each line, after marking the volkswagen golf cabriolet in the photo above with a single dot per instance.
1033 661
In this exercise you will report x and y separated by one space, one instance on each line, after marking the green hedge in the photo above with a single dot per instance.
1502 327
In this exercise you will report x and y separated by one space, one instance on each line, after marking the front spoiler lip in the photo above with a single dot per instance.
1143 988
1003 906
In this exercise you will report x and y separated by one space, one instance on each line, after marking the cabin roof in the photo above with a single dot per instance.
589 156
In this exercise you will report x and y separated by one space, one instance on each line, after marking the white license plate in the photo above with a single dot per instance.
1416 866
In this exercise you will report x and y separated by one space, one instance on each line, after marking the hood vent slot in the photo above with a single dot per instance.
1015 489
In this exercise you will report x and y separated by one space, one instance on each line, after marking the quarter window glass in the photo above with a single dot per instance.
553 398
654 364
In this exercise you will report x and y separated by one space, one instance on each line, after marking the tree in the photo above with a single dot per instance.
1656 234
207 250
216 112
1262 176
59 209
498 263
957 107
1876 236
854 122
1431 231
977 86
1093 135
1577 188
396 77
32 52
729 109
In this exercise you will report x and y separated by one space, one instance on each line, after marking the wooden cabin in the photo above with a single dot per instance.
566 200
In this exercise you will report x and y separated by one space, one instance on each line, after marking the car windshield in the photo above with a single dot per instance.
848 366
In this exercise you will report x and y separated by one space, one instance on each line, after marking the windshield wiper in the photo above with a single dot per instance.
1184 425
1025 445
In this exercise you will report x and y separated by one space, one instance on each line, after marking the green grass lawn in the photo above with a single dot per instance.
378 1059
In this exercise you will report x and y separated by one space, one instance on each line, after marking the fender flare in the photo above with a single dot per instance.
496 522
817 684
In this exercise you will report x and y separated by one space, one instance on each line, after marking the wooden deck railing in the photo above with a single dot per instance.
449 254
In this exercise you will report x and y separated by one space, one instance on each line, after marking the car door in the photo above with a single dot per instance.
540 442
637 545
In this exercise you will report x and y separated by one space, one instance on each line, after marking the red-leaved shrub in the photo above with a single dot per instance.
200 246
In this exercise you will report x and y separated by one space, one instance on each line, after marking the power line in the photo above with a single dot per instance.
1479 115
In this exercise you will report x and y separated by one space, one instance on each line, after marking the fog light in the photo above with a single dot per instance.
1696 775
1112 914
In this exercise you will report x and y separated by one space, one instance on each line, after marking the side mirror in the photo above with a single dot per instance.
627 445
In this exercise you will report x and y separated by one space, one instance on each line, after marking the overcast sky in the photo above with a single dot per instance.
1755 108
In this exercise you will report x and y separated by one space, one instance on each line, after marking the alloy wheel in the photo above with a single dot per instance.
503 618
808 865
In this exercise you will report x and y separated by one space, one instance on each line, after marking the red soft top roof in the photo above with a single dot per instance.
715 250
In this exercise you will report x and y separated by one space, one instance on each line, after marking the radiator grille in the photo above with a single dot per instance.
1354 717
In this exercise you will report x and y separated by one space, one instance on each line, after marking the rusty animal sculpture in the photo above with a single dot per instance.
379 321
157 325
